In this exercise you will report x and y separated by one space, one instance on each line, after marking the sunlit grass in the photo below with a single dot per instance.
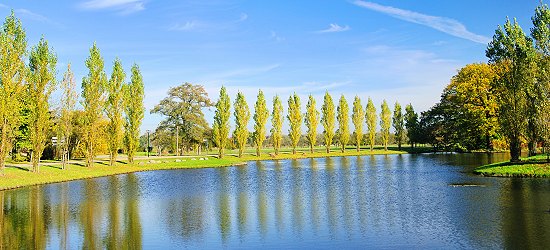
536 166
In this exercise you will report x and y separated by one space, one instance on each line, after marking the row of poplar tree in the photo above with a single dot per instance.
328 117
26 88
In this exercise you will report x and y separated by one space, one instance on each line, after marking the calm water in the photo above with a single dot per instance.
396 201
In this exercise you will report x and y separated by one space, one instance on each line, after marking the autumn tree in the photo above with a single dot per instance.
93 94
358 117
371 122
221 122
343 122
68 103
114 109
385 124
260 119
41 84
133 111
13 48
277 124
295 119
398 124
312 121
242 115
183 110
512 51
327 118
411 124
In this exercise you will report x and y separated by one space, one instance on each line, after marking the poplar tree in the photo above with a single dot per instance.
312 121
327 118
411 123
358 118
134 111
295 119
371 122
343 122
41 84
385 124
68 103
221 122
242 115
13 46
277 124
260 119
398 124
114 109
93 94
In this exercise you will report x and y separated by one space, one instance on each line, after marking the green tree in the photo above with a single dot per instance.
41 84
260 119
512 51
412 125
134 111
358 117
114 108
13 47
327 118
343 122
68 103
295 119
242 115
93 94
385 124
371 122
183 110
221 122
398 124
277 124
312 121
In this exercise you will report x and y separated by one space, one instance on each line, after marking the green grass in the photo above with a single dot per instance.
18 175
536 166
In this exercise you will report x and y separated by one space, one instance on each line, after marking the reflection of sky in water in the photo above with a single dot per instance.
395 201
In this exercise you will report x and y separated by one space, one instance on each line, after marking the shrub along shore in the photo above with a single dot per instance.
18 175
536 166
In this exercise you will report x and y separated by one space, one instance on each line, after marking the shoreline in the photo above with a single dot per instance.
17 176
531 167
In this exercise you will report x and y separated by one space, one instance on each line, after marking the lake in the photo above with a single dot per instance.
383 201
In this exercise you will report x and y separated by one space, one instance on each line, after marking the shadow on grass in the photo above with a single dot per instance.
26 169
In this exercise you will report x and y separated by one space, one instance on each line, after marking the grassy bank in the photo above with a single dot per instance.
536 166
18 175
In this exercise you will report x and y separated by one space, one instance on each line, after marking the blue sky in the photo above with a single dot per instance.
402 51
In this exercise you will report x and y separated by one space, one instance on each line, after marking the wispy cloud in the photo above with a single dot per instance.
334 28
3 6
31 15
121 6
443 24
276 37
243 17
187 26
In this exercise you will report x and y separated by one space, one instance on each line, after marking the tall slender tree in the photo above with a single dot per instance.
513 52
41 84
13 47
68 103
277 124
398 124
242 116
260 119
295 119
385 124
114 108
93 94
312 121
358 118
371 122
411 123
221 122
134 111
327 118
343 122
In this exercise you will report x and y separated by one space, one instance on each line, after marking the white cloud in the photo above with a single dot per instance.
243 17
122 6
3 6
276 37
189 25
443 24
334 28
31 15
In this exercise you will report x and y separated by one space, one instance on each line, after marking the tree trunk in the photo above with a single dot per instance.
276 151
258 153
358 147
3 147
293 150
311 148
532 147
515 149
399 145
328 149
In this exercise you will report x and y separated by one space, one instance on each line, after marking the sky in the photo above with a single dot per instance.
403 51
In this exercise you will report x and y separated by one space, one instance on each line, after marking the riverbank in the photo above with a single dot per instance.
536 166
18 175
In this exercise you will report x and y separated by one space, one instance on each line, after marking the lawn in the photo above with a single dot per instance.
537 166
